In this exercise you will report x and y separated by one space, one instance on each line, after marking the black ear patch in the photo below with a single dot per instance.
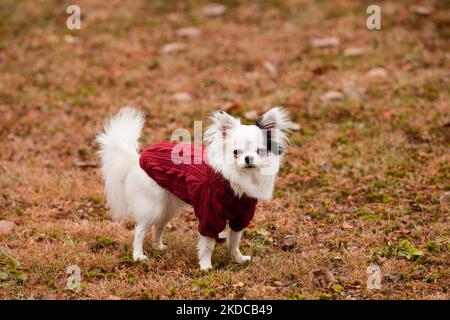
259 123
267 125
271 144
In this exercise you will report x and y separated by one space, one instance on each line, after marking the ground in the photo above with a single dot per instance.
366 179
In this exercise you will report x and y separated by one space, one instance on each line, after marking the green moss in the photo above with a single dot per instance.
402 250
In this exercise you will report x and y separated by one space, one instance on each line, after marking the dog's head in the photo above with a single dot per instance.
238 150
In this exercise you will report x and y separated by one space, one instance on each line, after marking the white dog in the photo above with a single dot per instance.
239 167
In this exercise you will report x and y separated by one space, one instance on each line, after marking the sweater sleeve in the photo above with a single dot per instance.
209 212
242 220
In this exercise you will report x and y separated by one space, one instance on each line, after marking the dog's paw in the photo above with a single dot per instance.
139 257
242 259
159 246
205 267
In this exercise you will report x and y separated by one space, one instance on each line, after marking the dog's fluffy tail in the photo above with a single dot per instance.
119 153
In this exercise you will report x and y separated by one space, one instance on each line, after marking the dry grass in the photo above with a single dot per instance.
363 175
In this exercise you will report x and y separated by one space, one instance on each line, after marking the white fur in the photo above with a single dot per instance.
132 193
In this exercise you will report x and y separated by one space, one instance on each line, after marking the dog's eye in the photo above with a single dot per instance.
261 152
236 152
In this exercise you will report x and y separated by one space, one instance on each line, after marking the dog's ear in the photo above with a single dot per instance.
221 123
275 123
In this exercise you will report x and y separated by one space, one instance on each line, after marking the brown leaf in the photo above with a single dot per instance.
354 52
86 164
305 217
405 232
6 226
279 284
325 42
288 242
188 32
377 73
173 47
71 39
214 10
421 10
445 200
332 96
347 226
182 97
231 106
387 115
353 90
270 67
323 277
251 115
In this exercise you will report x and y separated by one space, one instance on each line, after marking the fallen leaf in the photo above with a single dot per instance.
415 206
387 115
323 277
86 164
405 231
288 242
279 284
270 67
71 39
325 42
354 52
347 226
305 217
354 91
214 10
175 17
182 97
230 106
326 167
251 115
173 47
445 200
332 96
188 32
6 226
377 73
421 10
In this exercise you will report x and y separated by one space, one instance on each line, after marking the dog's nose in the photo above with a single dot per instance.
248 160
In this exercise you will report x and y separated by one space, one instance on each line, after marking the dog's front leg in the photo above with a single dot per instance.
205 250
233 243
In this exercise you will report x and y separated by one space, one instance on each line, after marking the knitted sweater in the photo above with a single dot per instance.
196 183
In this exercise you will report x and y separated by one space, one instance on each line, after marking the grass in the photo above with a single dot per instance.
361 183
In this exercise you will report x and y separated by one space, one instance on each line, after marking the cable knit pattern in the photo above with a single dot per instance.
197 184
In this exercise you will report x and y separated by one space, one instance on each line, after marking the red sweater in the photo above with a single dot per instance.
197 184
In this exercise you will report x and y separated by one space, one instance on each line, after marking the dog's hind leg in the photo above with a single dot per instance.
146 212
142 225
173 207
138 243
147 203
